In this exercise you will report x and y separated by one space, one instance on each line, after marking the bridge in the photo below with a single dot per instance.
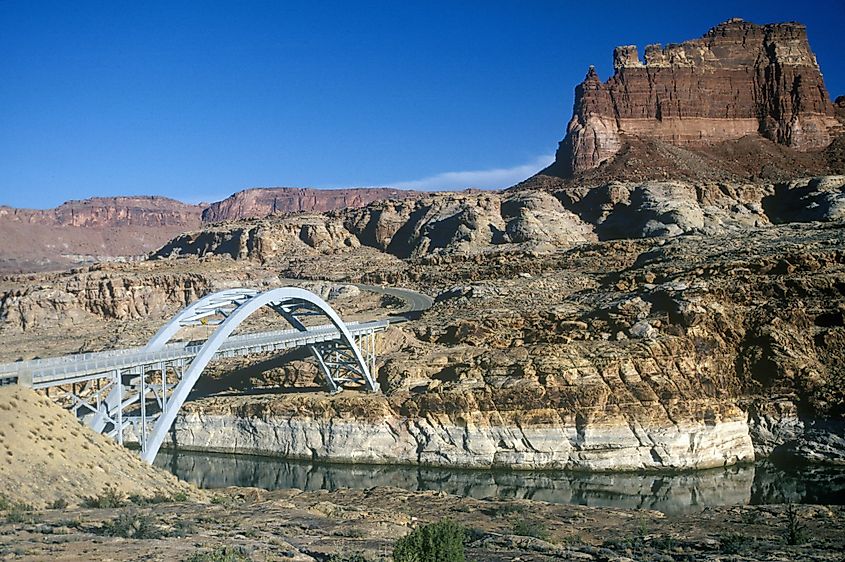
139 391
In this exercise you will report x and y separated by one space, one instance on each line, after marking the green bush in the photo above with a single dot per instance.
437 542
527 528
222 554
131 526
109 498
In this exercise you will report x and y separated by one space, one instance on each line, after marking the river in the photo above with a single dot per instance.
759 483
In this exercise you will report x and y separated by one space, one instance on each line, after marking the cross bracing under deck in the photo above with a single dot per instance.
137 392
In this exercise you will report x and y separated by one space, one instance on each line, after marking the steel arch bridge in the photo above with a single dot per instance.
145 387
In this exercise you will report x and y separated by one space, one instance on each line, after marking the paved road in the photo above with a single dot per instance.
415 302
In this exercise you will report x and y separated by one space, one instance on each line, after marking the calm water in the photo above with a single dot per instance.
670 493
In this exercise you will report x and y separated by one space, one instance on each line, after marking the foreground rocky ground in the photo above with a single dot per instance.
305 526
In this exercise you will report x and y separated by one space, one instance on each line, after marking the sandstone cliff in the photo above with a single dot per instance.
709 334
686 352
261 202
739 79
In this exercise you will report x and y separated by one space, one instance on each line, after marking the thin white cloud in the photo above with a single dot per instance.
494 178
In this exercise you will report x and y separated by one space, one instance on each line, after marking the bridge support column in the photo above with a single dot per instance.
118 380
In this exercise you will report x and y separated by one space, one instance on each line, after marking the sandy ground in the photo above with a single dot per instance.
46 456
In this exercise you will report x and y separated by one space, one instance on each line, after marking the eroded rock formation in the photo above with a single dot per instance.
103 229
739 79
686 352
470 224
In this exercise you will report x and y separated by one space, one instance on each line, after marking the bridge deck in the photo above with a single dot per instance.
67 369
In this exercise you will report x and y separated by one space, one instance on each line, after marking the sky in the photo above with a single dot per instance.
198 100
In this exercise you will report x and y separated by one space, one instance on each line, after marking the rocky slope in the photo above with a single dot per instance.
632 325
430 226
261 202
694 352
738 80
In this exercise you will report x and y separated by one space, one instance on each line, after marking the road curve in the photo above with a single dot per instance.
415 302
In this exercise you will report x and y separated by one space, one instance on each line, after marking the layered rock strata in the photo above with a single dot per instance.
682 352
470 440
738 79
264 201
432 226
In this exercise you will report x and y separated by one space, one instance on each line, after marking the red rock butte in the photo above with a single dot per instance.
738 79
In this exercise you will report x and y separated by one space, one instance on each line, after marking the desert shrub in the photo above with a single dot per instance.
357 557
437 542
529 528
59 503
109 498
131 526
220 500
5 502
507 509
222 554
138 499
20 513
733 543
796 532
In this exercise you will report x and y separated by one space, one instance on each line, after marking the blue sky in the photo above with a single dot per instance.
197 100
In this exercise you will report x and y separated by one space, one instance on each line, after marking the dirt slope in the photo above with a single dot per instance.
46 455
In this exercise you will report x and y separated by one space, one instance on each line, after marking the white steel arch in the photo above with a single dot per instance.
288 302
218 303
193 314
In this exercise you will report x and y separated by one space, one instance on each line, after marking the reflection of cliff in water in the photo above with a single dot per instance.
802 484
670 493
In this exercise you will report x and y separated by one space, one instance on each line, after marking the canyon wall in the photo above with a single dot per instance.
473 440
469 224
739 79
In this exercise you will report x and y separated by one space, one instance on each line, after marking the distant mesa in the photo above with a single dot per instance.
738 80
127 228
261 202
